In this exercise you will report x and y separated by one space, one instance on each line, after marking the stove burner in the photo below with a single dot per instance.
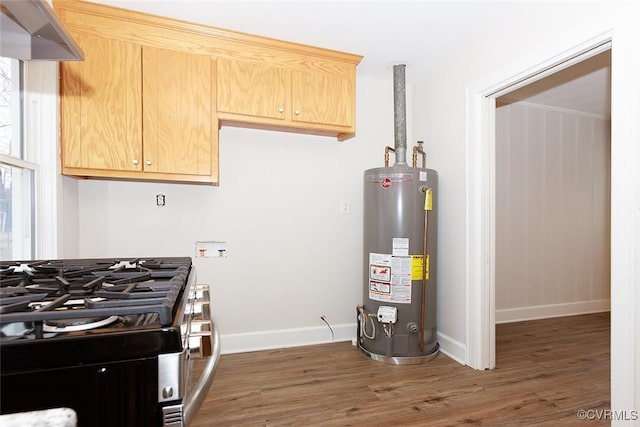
80 324
59 295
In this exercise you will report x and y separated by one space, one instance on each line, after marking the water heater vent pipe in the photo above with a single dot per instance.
399 115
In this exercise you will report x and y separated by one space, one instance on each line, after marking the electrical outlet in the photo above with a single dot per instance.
160 200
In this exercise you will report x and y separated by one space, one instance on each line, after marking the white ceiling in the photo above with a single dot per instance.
418 33
584 87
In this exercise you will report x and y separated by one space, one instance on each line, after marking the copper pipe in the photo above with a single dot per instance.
386 155
418 149
423 299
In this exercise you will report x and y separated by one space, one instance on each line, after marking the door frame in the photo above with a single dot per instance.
619 29
481 226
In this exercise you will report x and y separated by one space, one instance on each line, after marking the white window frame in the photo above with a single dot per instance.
40 153
17 209
41 145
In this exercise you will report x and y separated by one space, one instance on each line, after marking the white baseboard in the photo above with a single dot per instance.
283 338
551 310
456 350
452 348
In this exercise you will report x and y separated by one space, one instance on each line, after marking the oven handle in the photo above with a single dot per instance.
194 400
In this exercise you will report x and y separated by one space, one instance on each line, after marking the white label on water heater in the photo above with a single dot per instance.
423 176
400 246
390 278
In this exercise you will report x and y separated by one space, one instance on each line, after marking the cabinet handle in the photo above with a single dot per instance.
148 162
135 161
280 110
297 112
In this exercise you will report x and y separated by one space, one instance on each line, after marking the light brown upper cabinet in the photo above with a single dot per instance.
147 101
291 98
178 115
323 98
252 89
135 111
101 106
125 114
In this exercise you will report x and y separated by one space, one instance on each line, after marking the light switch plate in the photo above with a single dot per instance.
345 207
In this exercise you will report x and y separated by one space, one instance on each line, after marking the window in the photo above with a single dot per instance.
17 174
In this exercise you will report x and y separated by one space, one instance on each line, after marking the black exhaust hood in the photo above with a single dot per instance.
30 30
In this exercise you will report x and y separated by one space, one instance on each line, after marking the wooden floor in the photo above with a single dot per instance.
546 370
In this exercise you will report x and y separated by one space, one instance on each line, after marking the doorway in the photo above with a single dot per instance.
552 194
482 96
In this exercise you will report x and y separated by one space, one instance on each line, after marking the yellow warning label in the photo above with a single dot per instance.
428 200
416 267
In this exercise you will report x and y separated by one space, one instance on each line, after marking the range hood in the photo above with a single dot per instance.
30 30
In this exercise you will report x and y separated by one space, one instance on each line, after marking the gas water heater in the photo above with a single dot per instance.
397 319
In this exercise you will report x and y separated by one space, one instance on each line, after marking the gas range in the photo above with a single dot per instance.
101 318
73 295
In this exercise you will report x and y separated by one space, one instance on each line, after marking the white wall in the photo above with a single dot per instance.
68 217
292 256
552 212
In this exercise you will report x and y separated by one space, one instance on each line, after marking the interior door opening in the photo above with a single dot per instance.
552 195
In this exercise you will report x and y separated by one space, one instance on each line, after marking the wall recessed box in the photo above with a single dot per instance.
211 249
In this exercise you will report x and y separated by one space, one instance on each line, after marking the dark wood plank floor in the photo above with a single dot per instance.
546 371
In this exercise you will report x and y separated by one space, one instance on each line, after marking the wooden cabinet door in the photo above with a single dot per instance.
101 110
251 89
322 98
180 127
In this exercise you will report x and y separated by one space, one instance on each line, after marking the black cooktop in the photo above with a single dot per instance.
91 309
55 292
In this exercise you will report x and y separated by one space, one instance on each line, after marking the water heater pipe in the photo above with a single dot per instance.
387 150
423 297
399 114
418 149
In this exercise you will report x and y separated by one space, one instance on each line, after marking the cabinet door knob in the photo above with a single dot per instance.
280 110
135 161
297 112
148 162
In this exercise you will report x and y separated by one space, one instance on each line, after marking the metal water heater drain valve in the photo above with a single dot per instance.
412 327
